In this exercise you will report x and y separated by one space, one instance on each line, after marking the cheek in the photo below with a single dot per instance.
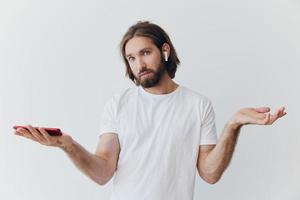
153 60
133 69
159 59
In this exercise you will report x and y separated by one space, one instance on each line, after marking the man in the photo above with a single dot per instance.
154 137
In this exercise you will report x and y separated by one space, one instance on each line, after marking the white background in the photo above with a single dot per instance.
59 64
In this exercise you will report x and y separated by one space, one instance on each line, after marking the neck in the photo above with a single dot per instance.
165 85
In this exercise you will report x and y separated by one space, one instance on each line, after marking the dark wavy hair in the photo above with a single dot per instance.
158 36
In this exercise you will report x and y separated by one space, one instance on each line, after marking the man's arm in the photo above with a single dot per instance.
214 159
100 166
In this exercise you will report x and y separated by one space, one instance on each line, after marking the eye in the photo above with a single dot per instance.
146 53
130 59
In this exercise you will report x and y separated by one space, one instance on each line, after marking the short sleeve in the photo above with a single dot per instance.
208 126
108 122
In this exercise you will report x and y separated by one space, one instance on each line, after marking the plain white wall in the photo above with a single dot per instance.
59 64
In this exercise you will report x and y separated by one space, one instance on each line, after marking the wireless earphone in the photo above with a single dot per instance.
166 56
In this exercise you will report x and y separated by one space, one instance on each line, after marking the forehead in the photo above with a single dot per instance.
137 43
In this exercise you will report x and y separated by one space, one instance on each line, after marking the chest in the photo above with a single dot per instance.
146 125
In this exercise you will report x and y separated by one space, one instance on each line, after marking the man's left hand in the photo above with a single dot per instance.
260 116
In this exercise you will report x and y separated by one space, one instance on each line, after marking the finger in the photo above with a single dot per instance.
253 113
37 135
260 116
282 113
45 134
274 117
19 130
267 119
282 108
261 119
277 113
262 109
30 137
18 133
22 131
25 134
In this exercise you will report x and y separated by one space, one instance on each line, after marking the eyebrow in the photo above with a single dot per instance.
142 50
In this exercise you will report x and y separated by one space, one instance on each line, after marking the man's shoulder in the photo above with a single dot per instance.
124 94
193 94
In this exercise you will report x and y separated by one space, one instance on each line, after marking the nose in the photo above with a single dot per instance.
140 63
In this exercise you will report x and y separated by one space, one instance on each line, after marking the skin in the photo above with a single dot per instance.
142 53
143 56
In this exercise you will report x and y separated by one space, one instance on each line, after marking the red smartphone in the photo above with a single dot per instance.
50 131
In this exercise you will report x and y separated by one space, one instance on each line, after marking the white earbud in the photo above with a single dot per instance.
166 56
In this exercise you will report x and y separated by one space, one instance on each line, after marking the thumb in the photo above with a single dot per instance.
262 109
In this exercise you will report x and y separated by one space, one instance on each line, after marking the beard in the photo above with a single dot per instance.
152 78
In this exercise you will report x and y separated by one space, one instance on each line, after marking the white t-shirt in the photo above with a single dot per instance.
159 137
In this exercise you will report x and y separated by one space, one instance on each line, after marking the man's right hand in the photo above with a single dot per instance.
41 136
100 167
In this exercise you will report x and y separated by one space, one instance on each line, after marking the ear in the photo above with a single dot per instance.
166 48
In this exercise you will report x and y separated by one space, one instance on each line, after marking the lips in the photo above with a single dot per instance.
144 73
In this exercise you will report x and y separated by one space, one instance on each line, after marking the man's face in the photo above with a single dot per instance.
145 61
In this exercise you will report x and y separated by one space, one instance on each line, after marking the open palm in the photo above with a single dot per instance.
260 116
41 136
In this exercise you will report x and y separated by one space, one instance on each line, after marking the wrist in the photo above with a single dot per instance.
68 146
234 125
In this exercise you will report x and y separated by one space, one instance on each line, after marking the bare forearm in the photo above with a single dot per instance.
91 165
219 158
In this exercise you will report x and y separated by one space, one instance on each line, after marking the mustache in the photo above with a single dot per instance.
145 70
